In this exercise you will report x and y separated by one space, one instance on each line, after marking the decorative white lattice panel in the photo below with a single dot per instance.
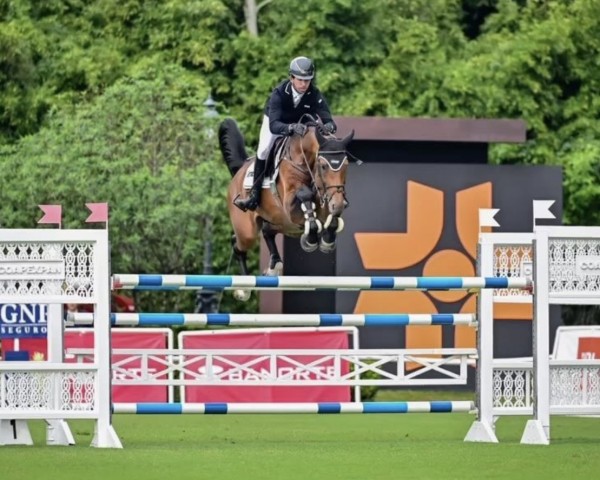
75 258
563 275
572 386
575 386
512 388
47 391
508 262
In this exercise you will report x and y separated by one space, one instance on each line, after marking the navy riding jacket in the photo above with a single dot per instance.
281 111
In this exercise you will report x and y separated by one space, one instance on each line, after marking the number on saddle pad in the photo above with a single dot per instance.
249 178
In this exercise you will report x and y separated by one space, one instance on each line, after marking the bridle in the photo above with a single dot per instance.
323 191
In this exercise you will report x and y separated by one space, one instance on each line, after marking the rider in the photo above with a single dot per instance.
288 102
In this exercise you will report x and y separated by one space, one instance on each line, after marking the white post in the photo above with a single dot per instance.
55 333
537 431
15 432
104 435
482 429
57 431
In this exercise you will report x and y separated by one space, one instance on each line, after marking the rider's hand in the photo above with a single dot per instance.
296 128
329 128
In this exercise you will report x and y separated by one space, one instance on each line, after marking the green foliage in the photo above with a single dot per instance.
581 161
58 53
147 148
21 105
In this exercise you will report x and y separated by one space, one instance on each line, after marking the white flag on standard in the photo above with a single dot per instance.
486 217
541 209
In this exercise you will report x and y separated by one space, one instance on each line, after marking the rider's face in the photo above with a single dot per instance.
300 85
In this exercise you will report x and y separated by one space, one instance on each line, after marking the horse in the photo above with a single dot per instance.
306 199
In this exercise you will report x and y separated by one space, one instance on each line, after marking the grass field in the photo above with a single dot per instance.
365 447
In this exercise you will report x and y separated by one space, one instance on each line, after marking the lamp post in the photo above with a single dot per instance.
211 107
206 299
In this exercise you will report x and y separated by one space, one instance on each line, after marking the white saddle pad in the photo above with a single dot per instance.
249 178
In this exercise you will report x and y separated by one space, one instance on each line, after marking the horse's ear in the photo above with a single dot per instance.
348 138
320 138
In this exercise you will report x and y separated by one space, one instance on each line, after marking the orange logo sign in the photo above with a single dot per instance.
397 251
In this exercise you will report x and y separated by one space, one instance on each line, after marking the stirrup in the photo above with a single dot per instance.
245 204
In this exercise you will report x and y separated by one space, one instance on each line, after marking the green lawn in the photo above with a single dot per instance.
365 447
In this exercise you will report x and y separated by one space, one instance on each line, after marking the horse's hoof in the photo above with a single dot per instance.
307 246
276 271
326 247
242 295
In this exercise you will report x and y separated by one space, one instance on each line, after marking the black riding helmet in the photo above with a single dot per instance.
302 68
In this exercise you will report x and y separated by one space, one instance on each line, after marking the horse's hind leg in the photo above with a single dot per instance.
275 263
242 258
309 240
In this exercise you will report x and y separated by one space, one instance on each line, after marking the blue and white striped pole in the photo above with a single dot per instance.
231 282
318 408
278 320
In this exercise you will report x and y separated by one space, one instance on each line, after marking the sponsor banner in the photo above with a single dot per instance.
32 270
139 339
567 344
587 265
259 369
589 348
23 320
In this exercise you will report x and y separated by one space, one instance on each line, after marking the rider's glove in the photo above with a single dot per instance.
296 128
329 128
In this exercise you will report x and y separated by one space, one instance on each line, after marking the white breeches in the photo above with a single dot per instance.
265 140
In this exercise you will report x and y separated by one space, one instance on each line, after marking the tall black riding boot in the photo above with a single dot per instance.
253 200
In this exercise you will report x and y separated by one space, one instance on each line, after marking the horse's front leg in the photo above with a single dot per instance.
275 267
333 225
309 240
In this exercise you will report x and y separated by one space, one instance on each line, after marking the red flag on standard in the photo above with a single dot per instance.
52 214
99 212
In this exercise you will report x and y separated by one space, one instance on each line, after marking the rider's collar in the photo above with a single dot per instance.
296 96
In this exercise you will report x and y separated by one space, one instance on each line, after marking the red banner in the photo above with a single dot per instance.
325 340
136 339
588 348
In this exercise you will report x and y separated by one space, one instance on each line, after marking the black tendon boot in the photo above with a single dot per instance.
253 200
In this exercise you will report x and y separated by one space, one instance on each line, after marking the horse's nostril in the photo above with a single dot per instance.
336 208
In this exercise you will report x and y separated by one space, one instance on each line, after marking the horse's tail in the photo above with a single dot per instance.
232 145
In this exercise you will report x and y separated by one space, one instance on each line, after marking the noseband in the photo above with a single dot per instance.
323 191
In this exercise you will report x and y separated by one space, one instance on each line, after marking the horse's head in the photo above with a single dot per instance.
330 171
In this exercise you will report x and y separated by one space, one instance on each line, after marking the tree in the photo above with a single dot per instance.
57 53
22 101
251 9
146 147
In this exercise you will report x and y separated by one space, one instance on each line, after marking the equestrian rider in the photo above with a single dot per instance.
288 102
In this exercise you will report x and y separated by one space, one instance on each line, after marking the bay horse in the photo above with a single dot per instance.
305 200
